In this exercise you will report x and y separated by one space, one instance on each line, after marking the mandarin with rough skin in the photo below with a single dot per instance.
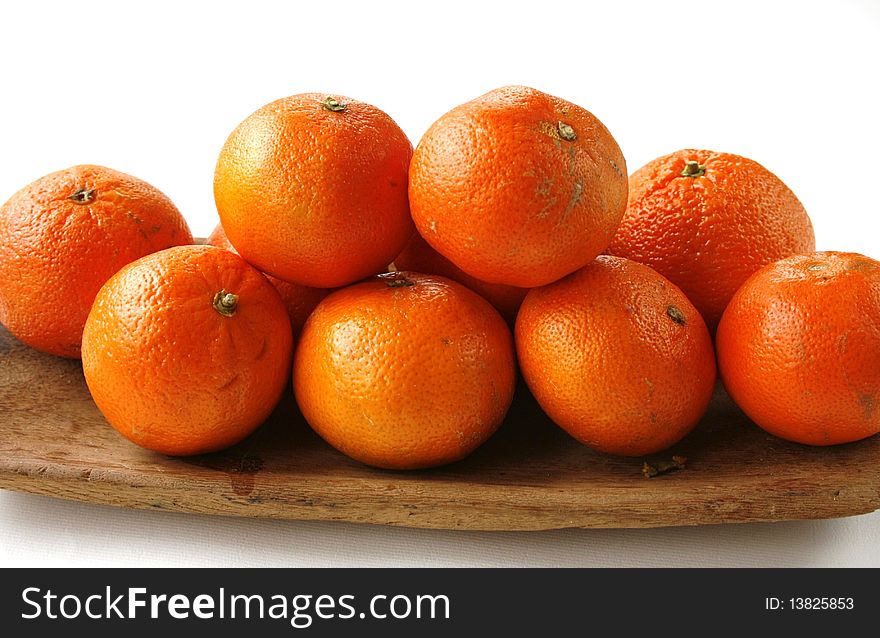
706 221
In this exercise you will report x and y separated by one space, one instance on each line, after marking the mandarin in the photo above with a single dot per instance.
405 370
313 189
617 356
63 236
187 350
707 220
518 187
799 348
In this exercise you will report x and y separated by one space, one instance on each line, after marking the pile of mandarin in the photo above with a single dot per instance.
403 289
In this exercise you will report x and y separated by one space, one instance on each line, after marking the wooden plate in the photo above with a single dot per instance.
529 476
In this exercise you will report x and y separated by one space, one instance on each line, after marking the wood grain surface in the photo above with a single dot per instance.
529 476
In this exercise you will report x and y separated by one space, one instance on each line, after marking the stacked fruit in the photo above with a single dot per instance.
499 218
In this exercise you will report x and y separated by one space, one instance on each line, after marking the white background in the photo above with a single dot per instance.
154 89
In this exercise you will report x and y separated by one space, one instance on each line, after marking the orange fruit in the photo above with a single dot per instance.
617 356
707 220
518 187
799 348
312 189
418 256
63 236
187 350
405 370
300 300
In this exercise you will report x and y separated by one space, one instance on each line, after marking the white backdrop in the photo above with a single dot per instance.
154 89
